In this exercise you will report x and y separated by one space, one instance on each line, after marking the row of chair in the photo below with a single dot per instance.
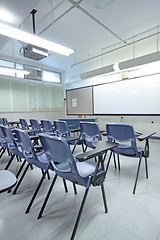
90 133
56 155
68 169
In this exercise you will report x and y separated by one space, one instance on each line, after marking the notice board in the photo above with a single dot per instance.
79 101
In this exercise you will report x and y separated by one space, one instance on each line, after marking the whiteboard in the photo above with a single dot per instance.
131 96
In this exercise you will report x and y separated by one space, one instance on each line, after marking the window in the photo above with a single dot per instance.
19 66
21 96
51 76
6 63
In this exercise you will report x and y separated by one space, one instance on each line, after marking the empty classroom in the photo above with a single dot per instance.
79 119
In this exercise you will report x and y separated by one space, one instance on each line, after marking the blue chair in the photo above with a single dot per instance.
124 134
35 157
24 123
62 130
5 121
1 121
35 125
66 166
47 126
90 133
13 147
3 142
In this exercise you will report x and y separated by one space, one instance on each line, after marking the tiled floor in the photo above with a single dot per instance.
130 217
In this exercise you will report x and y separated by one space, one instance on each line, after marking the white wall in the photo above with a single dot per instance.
138 49
14 116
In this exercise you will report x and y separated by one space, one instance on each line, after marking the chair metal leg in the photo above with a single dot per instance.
75 189
74 148
4 149
35 193
108 162
119 167
83 148
104 198
48 175
8 152
19 182
79 214
8 164
47 197
65 185
1 149
134 189
20 169
114 158
146 167
31 167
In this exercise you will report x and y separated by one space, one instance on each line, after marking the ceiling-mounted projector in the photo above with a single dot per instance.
34 52
31 51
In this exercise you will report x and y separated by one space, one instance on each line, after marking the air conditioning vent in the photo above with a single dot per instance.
35 74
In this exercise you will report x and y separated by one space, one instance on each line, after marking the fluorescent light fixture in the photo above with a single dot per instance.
33 39
97 72
11 71
135 62
36 50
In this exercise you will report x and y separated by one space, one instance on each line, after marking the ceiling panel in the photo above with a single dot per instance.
88 27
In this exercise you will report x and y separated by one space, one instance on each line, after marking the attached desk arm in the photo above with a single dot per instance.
101 147
145 136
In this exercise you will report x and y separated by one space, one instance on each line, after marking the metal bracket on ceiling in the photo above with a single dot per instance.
76 4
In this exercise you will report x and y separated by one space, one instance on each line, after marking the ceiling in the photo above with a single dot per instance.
87 26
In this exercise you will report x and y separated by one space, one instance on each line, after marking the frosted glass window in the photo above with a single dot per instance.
19 96
6 63
43 97
56 98
19 66
22 96
32 97
5 100
51 76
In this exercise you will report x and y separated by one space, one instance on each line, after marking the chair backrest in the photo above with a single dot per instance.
24 123
35 124
3 142
122 133
26 145
61 128
47 125
12 144
39 159
59 153
1 121
90 133
5 121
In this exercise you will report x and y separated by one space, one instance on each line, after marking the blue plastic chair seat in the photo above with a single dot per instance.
126 150
85 169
